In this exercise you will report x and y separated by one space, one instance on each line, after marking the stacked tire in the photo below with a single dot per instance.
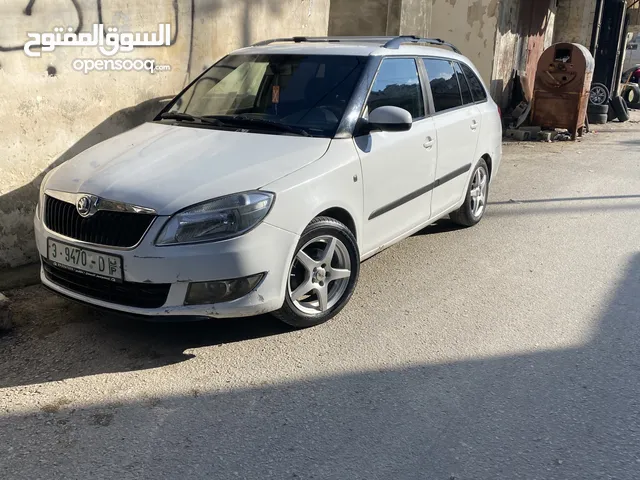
602 108
598 114
598 111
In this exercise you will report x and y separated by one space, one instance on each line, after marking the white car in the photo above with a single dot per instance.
263 185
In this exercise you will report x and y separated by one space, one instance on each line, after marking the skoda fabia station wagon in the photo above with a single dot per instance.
263 185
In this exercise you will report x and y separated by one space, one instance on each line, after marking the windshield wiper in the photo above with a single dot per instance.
178 116
191 118
242 119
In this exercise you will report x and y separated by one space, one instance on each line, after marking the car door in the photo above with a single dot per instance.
398 168
457 121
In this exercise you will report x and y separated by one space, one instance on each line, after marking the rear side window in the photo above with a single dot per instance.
398 85
477 89
464 86
444 84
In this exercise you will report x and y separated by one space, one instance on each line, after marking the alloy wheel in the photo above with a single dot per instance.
478 192
598 95
319 275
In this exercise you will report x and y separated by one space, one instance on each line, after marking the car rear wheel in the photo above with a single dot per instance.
322 276
475 203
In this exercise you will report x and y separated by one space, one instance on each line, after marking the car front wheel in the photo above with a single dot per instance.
322 276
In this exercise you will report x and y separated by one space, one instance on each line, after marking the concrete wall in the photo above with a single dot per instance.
520 40
49 112
468 24
507 51
471 26
575 21
362 17
416 18
551 28
380 17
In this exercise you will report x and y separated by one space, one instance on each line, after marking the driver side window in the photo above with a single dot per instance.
397 84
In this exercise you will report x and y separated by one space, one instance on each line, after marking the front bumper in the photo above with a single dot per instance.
265 249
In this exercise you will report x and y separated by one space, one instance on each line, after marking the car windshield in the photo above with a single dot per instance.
274 93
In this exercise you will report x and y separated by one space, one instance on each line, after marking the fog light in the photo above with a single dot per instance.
207 293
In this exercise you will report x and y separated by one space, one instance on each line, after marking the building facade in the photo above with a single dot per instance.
504 38
50 112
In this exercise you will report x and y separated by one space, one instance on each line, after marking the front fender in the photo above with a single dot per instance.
334 180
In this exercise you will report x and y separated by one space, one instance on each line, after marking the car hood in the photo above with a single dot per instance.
170 167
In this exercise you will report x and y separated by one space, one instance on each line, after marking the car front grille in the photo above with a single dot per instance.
141 295
114 229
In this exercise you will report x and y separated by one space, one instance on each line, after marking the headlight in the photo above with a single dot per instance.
218 219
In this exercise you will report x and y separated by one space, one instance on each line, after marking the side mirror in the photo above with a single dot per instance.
390 119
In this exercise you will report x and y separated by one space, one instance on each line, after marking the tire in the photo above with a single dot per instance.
311 272
599 94
470 213
620 108
611 116
598 118
598 109
631 94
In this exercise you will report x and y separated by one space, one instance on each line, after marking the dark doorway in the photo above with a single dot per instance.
609 44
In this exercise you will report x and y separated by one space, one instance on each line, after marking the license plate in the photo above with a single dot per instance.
82 260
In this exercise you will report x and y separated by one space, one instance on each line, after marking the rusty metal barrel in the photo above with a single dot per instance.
561 90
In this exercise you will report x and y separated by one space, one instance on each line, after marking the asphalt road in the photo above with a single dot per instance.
507 351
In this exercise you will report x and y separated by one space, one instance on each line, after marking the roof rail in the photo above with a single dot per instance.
397 41
386 42
379 40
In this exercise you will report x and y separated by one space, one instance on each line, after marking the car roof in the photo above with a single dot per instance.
355 47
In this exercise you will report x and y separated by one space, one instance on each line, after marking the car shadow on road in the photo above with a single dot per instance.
444 225
55 339
568 413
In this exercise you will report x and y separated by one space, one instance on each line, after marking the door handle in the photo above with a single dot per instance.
428 143
474 125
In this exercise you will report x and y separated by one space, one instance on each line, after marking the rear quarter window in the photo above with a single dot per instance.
445 88
477 89
464 85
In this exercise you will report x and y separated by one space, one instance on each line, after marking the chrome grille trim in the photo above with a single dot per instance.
103 203
112 229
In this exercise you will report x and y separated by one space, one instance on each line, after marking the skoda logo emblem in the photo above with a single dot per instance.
84 206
